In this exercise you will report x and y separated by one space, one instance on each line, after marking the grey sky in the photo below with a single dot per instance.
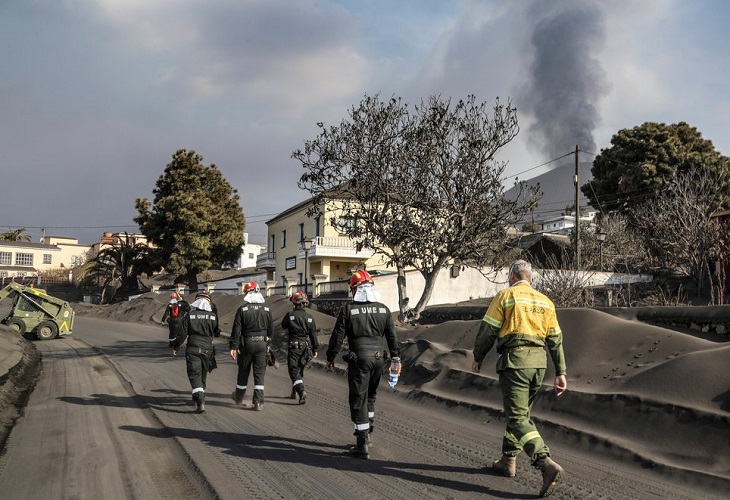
96 95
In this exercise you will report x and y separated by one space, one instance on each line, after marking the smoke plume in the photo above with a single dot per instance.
566 81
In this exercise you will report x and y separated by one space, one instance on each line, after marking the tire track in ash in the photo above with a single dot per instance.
167 467
368 474
258 460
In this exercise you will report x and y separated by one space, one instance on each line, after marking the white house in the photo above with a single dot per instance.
249 254
564 224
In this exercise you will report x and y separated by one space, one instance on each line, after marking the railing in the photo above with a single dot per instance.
276 290
267 259
332 287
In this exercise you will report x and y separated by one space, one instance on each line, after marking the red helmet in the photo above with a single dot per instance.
175 295
359 277
251 286
299 298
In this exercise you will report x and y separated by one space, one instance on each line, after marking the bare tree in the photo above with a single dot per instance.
678 226
622 248
419 187
565 286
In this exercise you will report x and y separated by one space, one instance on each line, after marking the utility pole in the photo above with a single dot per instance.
577 209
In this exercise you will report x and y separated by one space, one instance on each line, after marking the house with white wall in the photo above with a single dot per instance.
564 223
249 255
20 259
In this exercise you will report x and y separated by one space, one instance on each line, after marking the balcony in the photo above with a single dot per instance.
266 260
337 247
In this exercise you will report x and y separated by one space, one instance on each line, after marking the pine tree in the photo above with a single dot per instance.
195 220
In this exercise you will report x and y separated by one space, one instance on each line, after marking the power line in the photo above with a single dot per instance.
537 166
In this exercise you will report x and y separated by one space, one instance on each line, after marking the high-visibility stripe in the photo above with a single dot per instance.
529 437
259 387
492 321
241 387
362 427
297 382
198 389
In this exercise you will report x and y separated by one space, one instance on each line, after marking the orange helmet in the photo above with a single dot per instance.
299 298
251 286
359 277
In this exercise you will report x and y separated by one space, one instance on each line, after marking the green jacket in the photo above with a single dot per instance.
522 322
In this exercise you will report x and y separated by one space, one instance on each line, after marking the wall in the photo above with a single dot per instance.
470 284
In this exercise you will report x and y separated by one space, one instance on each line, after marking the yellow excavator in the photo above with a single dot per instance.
34 311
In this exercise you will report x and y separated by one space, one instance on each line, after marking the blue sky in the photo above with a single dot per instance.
96 95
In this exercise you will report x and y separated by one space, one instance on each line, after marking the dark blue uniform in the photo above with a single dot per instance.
252 330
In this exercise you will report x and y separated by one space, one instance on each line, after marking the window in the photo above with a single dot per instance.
23 259
301 232
283 239
251 255
46 258
6 258
346 224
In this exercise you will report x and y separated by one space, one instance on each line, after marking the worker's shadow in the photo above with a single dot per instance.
318 454
176 402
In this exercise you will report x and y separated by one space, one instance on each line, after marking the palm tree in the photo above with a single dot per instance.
117 266
15 235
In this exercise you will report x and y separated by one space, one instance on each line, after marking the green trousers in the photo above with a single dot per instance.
519 389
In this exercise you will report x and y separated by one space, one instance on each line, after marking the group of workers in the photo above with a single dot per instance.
520 321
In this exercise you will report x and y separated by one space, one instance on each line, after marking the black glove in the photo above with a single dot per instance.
350 357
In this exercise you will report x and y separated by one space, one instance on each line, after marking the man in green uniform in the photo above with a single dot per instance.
522 322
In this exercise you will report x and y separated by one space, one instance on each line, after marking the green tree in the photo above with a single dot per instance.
117 267
15 235
423 186
195 220
642 159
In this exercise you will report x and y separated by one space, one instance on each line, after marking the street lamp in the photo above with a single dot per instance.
306 246
601 237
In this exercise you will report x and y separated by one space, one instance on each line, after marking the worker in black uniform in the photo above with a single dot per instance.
249 343
368 326
174 313
199 327
302 340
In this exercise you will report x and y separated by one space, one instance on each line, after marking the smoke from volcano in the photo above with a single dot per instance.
565 79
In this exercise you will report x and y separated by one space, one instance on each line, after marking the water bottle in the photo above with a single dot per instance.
394 373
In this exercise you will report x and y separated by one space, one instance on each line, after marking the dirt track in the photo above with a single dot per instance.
111 417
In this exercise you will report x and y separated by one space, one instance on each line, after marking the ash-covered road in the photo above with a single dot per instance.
111 417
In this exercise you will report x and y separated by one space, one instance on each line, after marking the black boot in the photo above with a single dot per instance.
302 394
360 450
237 396
199 398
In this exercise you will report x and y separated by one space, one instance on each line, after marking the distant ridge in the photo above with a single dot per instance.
557 188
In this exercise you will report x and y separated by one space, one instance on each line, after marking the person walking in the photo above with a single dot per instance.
198 328
174 313
523 322
368 326
302 341
249 344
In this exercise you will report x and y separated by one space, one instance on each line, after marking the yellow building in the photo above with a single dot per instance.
304 252
20 259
